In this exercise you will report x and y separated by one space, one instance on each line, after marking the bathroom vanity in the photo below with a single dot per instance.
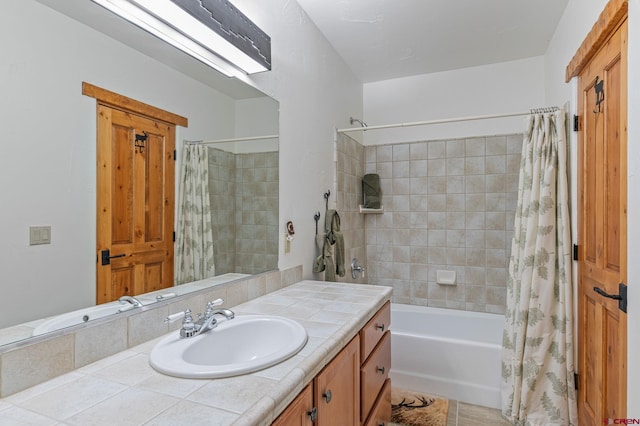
354 388
346 356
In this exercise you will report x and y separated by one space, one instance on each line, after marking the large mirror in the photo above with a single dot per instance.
48 167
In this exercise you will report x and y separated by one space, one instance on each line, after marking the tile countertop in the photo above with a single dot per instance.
123 389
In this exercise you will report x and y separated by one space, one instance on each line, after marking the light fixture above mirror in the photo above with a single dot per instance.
212 31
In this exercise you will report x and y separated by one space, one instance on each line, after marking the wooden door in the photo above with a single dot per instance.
602 219
337 388
135 204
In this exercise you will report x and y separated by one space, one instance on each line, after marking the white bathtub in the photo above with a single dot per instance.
455 354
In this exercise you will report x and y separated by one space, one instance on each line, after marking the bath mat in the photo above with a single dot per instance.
410 408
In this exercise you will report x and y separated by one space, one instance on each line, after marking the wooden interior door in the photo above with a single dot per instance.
602 228
135 204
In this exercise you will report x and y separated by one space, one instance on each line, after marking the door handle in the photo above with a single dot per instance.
621 297
106 256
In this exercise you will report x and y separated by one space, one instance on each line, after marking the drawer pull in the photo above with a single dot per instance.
327 396
380 370
382 424
380 327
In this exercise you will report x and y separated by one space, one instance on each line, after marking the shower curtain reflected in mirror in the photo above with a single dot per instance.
194 238
537 356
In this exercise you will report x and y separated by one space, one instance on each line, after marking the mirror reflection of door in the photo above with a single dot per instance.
135 203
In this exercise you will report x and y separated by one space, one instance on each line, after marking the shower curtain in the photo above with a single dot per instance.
537 354
194 237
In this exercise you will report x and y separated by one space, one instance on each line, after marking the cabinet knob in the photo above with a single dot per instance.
313 414
327 396
380 327
380 370
382 424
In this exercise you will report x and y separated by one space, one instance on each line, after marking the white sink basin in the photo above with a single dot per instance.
241 345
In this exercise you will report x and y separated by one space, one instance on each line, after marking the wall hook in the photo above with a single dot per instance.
326 199
140 141
316 217
599 88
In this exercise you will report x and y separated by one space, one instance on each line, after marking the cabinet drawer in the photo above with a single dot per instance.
371 333
373 374
381 413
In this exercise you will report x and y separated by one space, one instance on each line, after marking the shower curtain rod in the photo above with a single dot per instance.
448 120
247 138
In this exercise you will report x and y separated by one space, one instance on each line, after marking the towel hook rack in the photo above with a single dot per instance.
326 199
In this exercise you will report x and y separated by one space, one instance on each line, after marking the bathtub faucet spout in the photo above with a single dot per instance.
356 268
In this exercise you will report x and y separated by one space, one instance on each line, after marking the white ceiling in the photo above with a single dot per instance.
385 39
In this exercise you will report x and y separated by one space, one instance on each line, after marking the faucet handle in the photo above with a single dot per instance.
174 317
209 312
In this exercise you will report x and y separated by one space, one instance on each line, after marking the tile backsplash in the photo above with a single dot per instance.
27 363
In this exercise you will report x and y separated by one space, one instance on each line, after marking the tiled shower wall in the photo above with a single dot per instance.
222 190
349 172
256 212
448 205
243 190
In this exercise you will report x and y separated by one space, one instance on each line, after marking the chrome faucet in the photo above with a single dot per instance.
130 299
356 269
130 302
204 323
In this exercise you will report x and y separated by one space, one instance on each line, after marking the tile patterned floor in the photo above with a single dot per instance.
463 414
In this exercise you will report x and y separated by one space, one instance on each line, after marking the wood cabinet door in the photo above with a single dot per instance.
135 204
298 413
602 228
337 388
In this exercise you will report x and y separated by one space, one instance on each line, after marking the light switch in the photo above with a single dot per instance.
39 235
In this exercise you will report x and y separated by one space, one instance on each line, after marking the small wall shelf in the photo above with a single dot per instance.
365 210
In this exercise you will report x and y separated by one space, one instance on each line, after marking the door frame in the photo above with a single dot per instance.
610 20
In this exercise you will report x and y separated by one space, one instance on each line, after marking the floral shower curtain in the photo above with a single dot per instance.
194 237
537 354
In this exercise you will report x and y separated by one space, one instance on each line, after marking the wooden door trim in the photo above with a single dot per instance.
611 17
115 100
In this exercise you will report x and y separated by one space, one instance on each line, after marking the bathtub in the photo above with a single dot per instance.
446 352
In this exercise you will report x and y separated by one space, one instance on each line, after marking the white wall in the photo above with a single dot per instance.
317 93
508 87
48 165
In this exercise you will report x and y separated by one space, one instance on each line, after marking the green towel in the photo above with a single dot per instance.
336 239
319 263
372 194
330 271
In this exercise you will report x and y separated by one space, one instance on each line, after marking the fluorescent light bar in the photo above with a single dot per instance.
167 21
